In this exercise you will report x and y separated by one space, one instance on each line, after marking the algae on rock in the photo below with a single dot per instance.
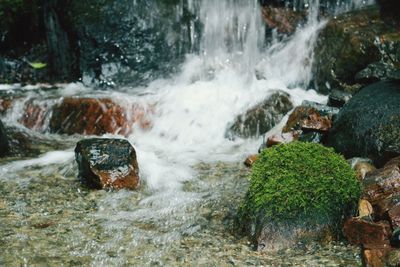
298 186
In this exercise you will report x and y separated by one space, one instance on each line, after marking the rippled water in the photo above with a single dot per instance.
48 218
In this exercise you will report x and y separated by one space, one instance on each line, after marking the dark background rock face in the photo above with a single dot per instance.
369 124
131 41
355 49
111 41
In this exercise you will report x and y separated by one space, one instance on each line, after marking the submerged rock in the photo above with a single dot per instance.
262 117
35 114
96 116
369 125
107 163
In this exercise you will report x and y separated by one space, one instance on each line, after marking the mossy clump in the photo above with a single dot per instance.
300 183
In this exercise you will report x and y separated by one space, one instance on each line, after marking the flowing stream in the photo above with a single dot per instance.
193 177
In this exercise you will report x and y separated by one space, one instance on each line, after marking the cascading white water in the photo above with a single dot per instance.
195 108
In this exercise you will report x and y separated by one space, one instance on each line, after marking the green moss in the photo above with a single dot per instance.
300 182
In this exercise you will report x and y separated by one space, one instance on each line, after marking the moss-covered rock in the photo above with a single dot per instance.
303 185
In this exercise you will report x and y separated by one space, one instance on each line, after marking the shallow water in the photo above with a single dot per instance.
49 219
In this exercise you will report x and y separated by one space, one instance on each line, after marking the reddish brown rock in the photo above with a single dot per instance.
375 257
250 160
369 234
283 138
315 121
35 114
308 118
383 183
299 114
107 163
283 19
383 206
5 104
91 116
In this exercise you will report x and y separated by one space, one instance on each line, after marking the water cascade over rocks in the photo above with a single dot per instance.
190 175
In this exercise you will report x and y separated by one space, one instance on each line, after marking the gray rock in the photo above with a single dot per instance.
262 117
338 98
311 137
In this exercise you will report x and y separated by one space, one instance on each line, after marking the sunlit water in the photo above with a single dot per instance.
193 178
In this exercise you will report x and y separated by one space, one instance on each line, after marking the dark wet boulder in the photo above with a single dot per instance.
347 46
395 240
20 142
107 163
4 145
369 125
262 117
